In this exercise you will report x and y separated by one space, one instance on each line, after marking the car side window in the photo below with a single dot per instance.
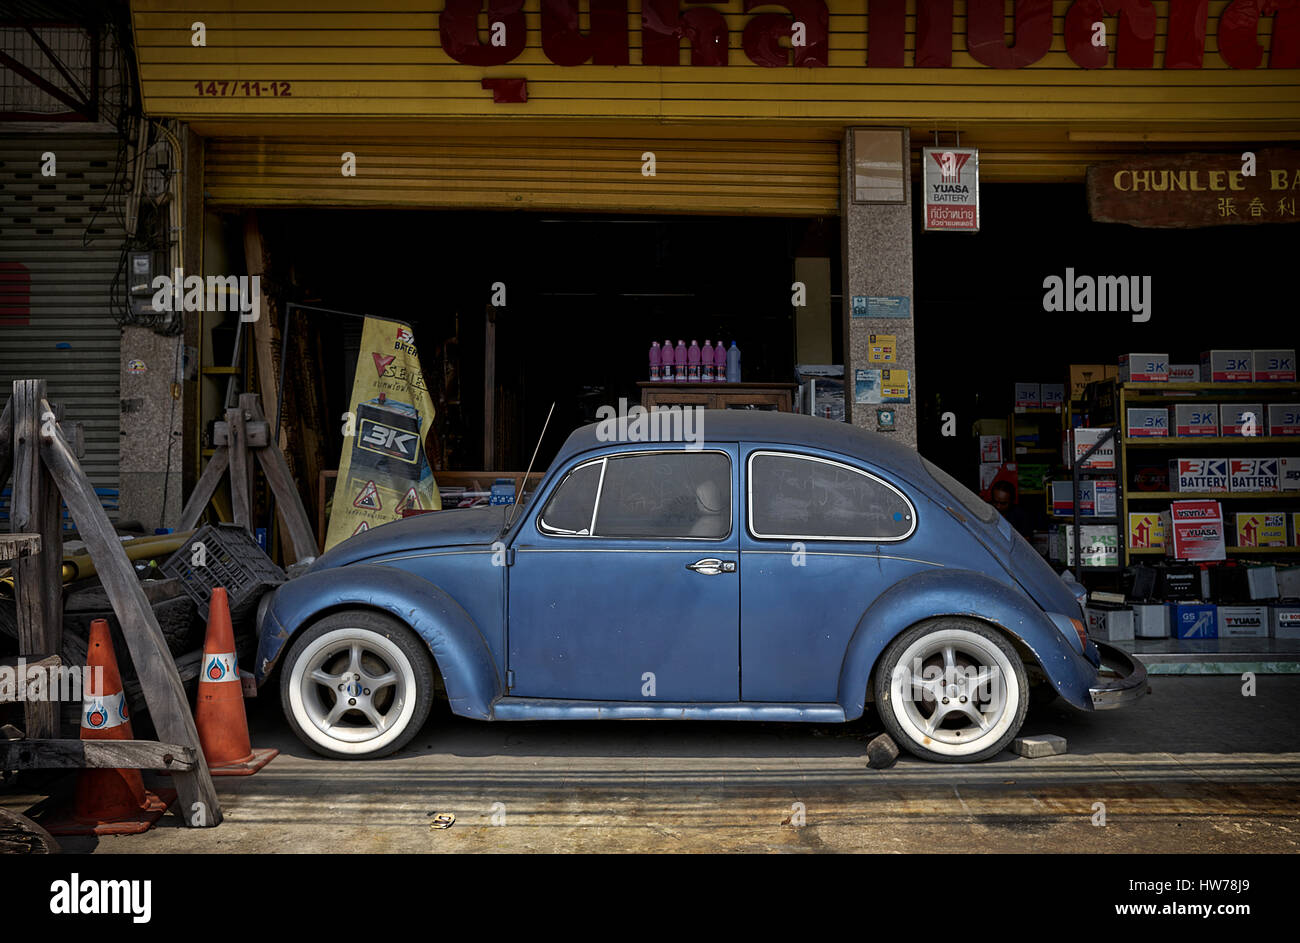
665 494
571 504
806 497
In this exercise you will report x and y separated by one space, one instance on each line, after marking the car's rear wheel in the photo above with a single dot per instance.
357 685
952 690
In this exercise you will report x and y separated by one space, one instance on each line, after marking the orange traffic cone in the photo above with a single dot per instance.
108 801
219 713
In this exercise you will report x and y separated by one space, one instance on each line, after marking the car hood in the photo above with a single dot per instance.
455 527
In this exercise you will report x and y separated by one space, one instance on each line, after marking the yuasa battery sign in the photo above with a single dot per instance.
952 188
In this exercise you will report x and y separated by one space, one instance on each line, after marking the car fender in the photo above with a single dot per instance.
957 592
459 650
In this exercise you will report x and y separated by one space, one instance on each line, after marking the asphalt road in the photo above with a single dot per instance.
1195 767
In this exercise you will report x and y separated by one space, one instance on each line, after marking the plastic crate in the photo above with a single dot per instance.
234 560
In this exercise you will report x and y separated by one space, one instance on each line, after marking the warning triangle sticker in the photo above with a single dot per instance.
368 499
363 526
410 500
382 362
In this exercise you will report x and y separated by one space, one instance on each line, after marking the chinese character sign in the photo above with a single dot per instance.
1181 191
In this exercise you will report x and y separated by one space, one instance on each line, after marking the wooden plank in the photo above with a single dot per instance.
19 835
241 496
490 388
288 501
9 679
13 546
6 442
264 327
326 474
204 489
97 754
39 585
163 691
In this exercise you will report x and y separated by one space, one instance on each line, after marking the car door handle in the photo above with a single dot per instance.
712 566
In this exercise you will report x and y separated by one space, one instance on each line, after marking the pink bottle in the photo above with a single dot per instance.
693 363
680 360
706 362
720 362
666 362
654 361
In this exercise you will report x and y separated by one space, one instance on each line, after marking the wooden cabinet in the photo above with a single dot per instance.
770 396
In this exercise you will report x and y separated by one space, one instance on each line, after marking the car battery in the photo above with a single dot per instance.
1110 625
1150 620
1194 620
1284 622
1180 582
388 441
1243 621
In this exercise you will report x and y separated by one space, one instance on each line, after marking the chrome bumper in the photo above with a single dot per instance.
1127 683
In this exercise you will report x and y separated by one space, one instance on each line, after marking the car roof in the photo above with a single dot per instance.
769 426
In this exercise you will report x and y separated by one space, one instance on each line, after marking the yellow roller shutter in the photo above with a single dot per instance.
761 177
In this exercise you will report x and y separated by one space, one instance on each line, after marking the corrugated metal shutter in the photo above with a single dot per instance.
754 177
64 234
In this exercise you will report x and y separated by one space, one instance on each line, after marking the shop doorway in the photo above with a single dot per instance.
584 296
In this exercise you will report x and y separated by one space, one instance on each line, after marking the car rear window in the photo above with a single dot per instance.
968 499
805 497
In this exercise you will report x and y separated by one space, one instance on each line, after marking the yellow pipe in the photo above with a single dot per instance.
80 566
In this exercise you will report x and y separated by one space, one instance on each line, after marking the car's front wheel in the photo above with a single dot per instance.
952 690
357 685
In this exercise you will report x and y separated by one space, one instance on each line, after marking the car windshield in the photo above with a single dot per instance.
969 499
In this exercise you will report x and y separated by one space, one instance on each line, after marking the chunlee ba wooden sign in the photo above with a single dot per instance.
801 37
1182 191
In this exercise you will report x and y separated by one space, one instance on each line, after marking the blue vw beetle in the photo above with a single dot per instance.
778 568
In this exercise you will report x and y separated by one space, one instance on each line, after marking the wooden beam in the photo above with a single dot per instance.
97 754
9 680
490 390
288 501
39 578
204 489
19 835
241 469
163 692
13 546
264 327
6 441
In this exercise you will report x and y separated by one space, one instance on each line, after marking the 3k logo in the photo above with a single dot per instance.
377 437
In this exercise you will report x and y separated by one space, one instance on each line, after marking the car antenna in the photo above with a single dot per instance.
510 519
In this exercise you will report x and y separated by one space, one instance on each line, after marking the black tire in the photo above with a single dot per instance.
905 723
386 646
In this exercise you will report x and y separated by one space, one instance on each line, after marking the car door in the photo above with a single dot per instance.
624 585
823 538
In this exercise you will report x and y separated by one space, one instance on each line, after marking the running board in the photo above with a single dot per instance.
542 708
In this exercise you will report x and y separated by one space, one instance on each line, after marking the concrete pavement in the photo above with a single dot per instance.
1194 767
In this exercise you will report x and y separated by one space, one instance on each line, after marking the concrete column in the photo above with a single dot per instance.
877 246
151 425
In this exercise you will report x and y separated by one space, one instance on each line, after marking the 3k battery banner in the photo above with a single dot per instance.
383 468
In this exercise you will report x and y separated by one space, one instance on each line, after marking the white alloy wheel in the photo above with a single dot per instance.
357 684
952 690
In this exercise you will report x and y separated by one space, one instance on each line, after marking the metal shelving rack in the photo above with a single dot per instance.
1169 394
1078 472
